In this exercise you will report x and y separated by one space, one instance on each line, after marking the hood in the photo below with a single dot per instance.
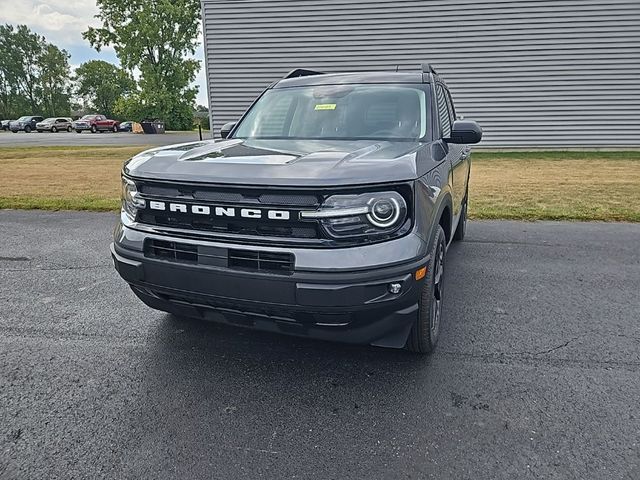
280 162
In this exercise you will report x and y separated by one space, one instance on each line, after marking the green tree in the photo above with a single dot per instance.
34 74
53 64
101 84
155 37
19 59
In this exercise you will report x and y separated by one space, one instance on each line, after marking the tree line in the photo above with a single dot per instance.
151 37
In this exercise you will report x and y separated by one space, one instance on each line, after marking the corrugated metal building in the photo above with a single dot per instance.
534 73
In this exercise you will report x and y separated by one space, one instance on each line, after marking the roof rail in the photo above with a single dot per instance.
301 72
428 68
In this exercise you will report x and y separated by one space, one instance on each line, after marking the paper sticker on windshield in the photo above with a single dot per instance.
326 106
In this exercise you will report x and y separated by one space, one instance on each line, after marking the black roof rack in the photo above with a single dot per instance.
302 72
428 68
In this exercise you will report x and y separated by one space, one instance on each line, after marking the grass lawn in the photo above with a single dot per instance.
572 185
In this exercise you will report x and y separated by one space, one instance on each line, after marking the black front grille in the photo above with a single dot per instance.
292 229
261 261
212 197
172 251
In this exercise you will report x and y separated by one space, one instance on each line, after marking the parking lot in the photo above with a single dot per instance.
45 139
537 374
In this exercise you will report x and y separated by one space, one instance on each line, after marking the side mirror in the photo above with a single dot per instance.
226 129
465 132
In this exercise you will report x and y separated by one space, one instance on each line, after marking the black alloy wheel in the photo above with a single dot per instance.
426 331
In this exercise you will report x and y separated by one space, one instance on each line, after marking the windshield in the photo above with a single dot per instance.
345 112
49 120
22 119
88 117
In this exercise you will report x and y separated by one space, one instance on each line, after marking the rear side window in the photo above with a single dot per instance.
443 112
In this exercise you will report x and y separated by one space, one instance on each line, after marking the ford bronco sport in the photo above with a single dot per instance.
325 211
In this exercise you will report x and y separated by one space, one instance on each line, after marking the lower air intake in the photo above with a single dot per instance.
261 261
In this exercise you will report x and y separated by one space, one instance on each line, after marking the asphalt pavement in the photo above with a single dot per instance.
46 139
537 374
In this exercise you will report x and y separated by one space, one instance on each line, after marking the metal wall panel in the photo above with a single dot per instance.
534 73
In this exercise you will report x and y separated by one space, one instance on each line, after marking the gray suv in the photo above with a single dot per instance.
25 124
325 212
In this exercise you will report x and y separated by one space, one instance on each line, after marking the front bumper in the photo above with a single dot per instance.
326 302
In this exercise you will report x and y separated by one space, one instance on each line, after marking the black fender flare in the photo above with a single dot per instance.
443 201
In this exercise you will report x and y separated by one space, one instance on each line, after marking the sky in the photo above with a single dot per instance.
62 23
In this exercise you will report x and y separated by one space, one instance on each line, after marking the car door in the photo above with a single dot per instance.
454 152
460 162
101 122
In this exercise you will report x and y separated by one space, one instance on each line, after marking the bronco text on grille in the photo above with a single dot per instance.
326 211
220 211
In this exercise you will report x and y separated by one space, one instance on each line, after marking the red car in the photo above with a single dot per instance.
95 123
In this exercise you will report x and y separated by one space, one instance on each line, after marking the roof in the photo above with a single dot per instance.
359 77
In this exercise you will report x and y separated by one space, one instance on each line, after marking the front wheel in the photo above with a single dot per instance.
27 129
426 331
93 129
78 131
54 130
115 129
69 129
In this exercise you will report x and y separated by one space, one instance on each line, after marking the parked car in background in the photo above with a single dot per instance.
125 126
95 123
54 124
4 125
26 123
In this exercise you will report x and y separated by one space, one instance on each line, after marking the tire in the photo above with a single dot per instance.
426 331
115 129
78 131
93 129
69 129
27 129
54 130
39 131
461 230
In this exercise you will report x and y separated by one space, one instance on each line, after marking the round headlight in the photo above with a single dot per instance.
384 212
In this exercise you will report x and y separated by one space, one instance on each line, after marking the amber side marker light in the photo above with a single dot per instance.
420 274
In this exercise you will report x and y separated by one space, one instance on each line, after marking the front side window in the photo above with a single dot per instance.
343 112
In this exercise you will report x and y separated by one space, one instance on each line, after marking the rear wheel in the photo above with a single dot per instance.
78 131
69 129
54 130
461 230
115 129
39 131
426 331
93 129
27 129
